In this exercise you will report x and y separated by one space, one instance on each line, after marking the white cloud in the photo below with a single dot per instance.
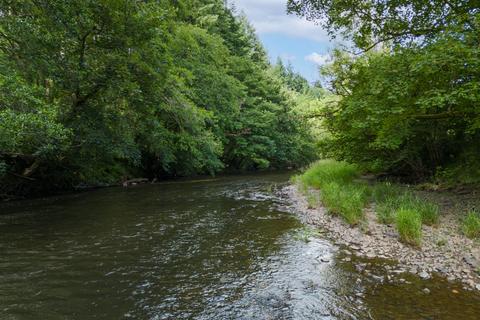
317 58
270 16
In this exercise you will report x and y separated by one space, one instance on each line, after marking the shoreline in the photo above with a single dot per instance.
444 251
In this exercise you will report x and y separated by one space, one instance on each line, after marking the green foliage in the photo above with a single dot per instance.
368 22
95 92
345 199
407 103
338 193
326 171
386 208
471 225
409 226
390 198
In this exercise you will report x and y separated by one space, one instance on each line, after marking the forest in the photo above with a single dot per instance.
93 93
409 89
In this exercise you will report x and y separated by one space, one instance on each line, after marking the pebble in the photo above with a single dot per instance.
426 291
455 260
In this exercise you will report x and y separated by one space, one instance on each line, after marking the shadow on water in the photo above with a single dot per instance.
227 248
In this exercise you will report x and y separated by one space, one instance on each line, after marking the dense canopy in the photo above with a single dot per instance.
96 92
409 97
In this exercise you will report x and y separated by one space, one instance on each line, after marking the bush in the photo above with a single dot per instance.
471 225
346 200
409 226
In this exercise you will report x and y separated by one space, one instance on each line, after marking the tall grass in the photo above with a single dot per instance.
409 226
389 199
325 171
345 200
471 225
338 193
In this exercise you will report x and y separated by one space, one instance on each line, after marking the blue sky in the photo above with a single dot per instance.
302 43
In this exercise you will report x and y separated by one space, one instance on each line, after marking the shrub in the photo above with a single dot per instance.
471 225
409 226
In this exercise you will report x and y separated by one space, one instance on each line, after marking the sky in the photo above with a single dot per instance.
302 43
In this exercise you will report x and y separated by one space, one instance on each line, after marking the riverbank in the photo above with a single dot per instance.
444 250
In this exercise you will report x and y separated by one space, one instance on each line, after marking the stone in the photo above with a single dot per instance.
424 275
426 291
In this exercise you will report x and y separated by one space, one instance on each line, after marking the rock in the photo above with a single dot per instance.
477 287
426 291
424 275
377 278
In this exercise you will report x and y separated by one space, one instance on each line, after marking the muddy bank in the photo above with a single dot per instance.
444 250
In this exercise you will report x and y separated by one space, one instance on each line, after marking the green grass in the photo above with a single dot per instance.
345 200
471 225
409 226
385 210
429 212
385 191
325 171
391 198
344 196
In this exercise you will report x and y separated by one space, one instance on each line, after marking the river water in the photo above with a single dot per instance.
225 248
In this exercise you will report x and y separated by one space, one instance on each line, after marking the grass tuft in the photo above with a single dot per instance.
345 200
395 199
471 225
409 226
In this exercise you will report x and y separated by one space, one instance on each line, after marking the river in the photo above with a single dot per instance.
221 248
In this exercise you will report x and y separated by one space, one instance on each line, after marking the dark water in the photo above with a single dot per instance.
227 248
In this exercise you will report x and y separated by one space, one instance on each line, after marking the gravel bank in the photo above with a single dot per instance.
444 250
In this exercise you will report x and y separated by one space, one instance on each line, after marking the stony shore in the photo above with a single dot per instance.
444 251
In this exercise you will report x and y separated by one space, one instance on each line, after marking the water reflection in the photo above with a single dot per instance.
226 248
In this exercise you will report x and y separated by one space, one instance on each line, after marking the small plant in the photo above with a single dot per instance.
441 242
428 212
409 226
313 199
305 234
471 225
385 191
385 210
